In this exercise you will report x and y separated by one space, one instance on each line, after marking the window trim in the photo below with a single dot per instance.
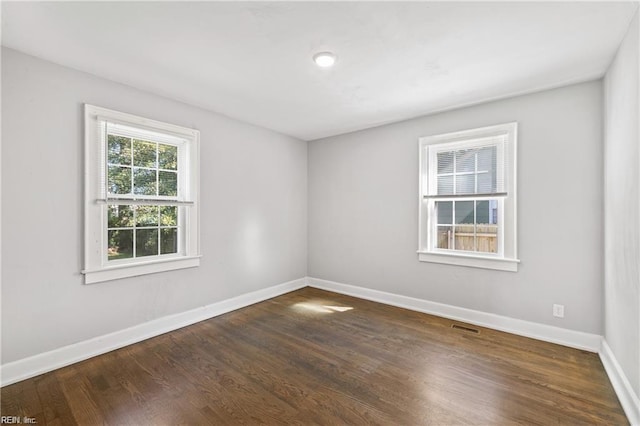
96 265
506 259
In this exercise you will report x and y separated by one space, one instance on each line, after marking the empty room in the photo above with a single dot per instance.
331 213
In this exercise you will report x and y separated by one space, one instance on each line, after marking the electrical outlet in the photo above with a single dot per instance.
558 311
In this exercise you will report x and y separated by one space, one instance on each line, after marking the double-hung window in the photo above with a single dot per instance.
468 198
141 207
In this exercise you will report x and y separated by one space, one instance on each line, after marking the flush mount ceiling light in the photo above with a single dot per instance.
324 59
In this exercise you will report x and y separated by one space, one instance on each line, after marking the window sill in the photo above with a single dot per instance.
141 268
472 261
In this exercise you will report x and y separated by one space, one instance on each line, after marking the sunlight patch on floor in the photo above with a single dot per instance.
320 308
339 308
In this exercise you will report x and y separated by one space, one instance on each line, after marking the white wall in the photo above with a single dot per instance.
363 210
622 207
253 211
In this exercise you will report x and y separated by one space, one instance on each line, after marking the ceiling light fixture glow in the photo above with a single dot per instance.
324 59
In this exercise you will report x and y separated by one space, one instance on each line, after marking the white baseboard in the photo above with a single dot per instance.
628 399
562 336
38 364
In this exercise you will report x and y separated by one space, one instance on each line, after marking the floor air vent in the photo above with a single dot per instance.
464 328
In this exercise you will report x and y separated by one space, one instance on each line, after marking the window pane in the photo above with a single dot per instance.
486 183
465 238
146 242
119 180
444 238
120 244
168 183
119 150
444 212
120 216
168 240
487 238
144 154
168 216
445 185
465 184
482 212
464 211
147 216
445 162
466 160
168 157
144 181
487 159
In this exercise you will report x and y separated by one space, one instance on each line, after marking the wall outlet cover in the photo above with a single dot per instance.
558 311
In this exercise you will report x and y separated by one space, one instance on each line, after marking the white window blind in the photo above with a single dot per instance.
468 169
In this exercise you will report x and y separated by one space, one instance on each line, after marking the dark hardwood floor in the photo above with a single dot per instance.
314 357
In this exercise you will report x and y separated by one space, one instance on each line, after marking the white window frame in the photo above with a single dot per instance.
506 258
97 267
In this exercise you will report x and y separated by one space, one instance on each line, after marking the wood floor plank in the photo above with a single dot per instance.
315 357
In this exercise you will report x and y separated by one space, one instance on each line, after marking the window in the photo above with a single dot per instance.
468 198
141 207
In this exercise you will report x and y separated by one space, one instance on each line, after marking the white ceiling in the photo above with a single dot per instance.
252 60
